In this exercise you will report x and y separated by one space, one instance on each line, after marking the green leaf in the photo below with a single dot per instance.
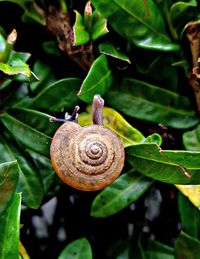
15 66
45 169
124 191
44 74
154 138
9 229
24 56
30 181
177 9
142 26
122 249
97 81
156 250
99 26
77 249
176 167
158 255
51 48
28 136
148 102
57 97
35 119
190 217
191 139
187 247
109 49
9 174
2 46
167 76
80 35
5 84
113 120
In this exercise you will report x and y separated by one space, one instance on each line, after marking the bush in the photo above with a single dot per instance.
142 57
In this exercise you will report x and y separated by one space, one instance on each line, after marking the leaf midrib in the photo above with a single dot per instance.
126 190
174 110
163 162
142 21
95 85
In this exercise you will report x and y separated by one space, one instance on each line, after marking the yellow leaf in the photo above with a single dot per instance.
113 120
192 192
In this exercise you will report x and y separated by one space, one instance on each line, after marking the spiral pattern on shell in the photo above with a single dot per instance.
86 158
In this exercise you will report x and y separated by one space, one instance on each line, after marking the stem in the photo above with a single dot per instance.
171 26
193 35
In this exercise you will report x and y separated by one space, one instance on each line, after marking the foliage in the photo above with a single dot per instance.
137 56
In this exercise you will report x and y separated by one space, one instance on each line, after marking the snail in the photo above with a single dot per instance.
87 158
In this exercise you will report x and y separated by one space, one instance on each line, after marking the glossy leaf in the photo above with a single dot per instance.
9 174
159 247
80 35
109 49
121 193
2 46
167 76
97 81
190 217
99 26
45 169
57 97
155 250
179 8
192 192
142 26
5 84
176 167
45 77
9 229
35 119
28 136
154 138
187 247
113 120
120 249
30 181
24 56
77 249
15 66
191 139
51 47
148 102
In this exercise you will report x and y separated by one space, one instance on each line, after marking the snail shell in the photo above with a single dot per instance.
87 158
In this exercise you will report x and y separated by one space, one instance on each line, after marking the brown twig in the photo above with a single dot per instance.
59 24
193 35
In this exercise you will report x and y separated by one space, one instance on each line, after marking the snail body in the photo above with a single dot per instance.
87 158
